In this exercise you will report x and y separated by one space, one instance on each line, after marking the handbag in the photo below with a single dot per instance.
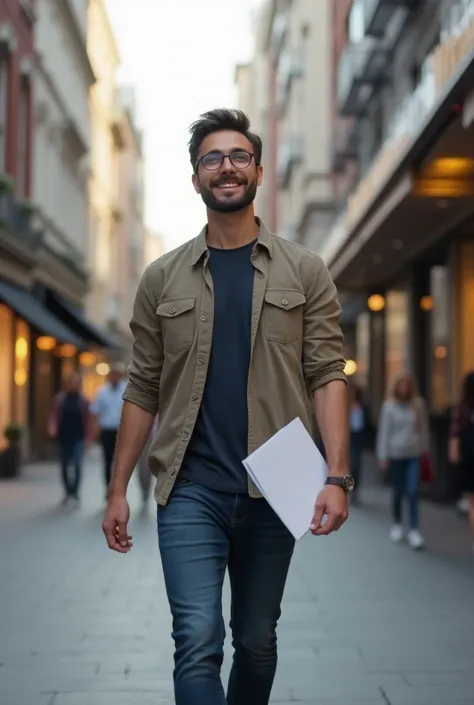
427 469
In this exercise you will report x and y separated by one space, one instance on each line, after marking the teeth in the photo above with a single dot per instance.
228 185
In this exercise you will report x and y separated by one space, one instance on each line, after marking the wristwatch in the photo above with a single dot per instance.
346 482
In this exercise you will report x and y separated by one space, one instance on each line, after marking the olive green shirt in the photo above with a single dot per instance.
296 344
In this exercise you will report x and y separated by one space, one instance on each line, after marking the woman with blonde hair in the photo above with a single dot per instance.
402 440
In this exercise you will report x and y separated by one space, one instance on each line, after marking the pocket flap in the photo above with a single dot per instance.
286 300
174 307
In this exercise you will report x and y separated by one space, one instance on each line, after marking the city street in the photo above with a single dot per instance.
364 622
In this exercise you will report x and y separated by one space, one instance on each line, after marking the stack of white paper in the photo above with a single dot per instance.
290 472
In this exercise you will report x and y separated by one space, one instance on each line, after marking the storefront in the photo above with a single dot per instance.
406 242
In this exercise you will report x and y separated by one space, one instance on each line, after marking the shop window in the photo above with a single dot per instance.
439 338
21 374
6 368
362 345
396 334
3 110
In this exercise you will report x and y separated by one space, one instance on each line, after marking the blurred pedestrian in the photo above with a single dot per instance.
461 443
358 435
402 440
107 410
70 425
230 331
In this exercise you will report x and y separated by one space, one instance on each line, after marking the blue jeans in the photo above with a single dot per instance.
202 533
405 478
71 452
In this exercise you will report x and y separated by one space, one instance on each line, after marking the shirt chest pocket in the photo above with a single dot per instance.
283 315
177 323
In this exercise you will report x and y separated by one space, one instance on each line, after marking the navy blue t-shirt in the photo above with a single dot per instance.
219 442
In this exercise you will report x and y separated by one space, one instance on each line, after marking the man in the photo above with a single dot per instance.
231 332
107 408
70 425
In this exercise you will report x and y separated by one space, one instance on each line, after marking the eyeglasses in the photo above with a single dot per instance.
214 160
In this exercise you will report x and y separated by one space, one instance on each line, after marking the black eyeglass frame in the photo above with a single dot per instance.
224 156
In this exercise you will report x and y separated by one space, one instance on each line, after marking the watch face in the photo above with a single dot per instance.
348 483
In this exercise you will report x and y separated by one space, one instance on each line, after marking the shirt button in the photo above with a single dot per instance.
195 397
172 311
185 435
203 318
284 302
261 275
200 361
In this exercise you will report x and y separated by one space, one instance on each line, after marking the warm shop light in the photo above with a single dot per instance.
45 342
67 350
21 349
441 352
426 303
102 369
350 368
20 378
376 303
87 359
452 167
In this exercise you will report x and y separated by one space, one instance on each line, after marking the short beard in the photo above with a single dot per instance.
231 205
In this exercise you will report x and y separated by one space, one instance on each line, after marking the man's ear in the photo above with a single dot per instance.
195 180
259 175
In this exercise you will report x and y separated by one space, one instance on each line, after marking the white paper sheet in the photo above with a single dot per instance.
290 472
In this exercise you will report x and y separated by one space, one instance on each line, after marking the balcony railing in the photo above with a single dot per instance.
290 154
16 218
362 68
345 143
379 13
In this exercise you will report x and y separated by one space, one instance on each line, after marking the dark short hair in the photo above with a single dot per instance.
216 121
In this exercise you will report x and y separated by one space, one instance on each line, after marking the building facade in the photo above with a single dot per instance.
404 238
45 333
131 236
104 210
302 40
18 242
62 142
255 84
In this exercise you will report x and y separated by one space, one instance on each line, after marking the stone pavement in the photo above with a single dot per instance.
364 622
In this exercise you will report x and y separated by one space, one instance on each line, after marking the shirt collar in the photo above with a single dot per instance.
264 240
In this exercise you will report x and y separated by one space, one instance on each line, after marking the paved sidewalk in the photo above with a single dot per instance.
364 622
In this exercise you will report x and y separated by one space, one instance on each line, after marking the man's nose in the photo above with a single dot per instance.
227 164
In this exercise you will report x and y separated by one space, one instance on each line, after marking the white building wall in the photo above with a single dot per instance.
62 125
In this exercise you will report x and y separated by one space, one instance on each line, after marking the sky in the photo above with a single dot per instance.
180 55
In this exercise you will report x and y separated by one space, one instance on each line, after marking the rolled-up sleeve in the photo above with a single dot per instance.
144 372
323 359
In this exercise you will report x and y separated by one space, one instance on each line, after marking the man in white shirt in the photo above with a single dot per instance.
107 410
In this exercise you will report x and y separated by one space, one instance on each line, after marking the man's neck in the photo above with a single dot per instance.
227 231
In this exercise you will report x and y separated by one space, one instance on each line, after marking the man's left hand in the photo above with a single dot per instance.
333 502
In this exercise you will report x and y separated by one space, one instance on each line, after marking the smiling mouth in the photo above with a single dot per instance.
228 185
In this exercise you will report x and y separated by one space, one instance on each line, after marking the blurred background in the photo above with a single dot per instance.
366 111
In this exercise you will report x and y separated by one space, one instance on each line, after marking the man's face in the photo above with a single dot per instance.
229 186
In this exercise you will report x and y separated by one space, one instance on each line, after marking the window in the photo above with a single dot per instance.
439 335
396 334
6 368
3 110
22 153
355 27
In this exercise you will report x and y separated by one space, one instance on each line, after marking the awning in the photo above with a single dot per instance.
77 319
23 303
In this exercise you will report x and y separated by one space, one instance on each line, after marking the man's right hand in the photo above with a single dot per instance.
115 523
